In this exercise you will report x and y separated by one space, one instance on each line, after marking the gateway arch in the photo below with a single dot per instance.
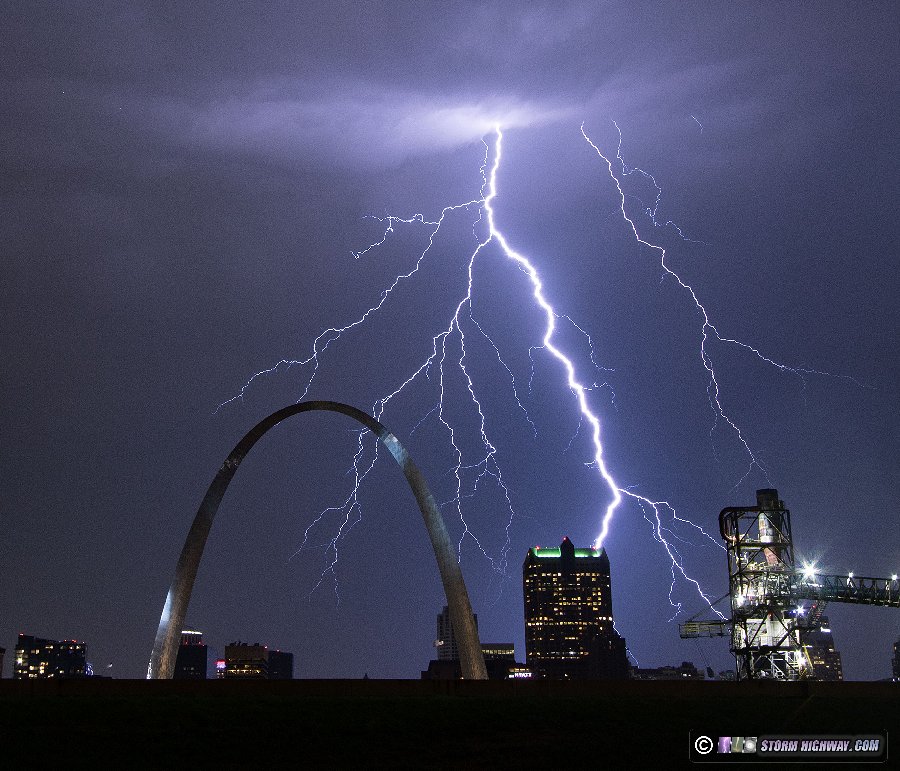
165 647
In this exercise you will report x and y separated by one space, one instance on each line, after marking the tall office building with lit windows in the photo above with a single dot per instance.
896 661
568 615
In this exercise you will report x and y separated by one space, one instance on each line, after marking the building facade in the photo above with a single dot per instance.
568 615
824 660
281 665
255 662
445 642
687 671
190 664
245 661
37 658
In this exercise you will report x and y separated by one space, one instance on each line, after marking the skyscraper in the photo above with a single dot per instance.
568 615
190 664
896 661
37 658
445 642
819 646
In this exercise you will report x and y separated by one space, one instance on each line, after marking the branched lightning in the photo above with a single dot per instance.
470 473
707 329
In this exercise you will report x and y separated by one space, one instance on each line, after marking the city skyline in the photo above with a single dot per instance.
584 581
188 196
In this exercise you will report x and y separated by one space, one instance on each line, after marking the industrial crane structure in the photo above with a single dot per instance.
768 625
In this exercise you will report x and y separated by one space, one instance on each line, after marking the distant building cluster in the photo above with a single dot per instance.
569 634
242 661
569 631
41 659
499 658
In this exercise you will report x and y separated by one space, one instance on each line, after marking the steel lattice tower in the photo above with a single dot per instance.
768 624
765 637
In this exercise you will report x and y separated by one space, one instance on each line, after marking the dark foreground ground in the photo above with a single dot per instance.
414 724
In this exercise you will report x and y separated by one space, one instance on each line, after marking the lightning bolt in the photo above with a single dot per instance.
550 316
451 344
707 330
581 394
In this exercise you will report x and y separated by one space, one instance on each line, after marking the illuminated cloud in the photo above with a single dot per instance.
360 127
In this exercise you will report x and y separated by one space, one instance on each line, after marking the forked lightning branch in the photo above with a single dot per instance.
472 472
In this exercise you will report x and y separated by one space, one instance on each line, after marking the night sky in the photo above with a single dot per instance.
184 186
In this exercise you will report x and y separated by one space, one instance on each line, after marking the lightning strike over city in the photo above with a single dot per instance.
508 300
660 515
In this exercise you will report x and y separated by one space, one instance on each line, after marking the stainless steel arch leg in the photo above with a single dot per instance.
165 647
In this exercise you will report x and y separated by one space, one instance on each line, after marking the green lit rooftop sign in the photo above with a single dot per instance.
555 552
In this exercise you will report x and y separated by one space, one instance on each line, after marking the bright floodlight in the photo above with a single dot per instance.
808 571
